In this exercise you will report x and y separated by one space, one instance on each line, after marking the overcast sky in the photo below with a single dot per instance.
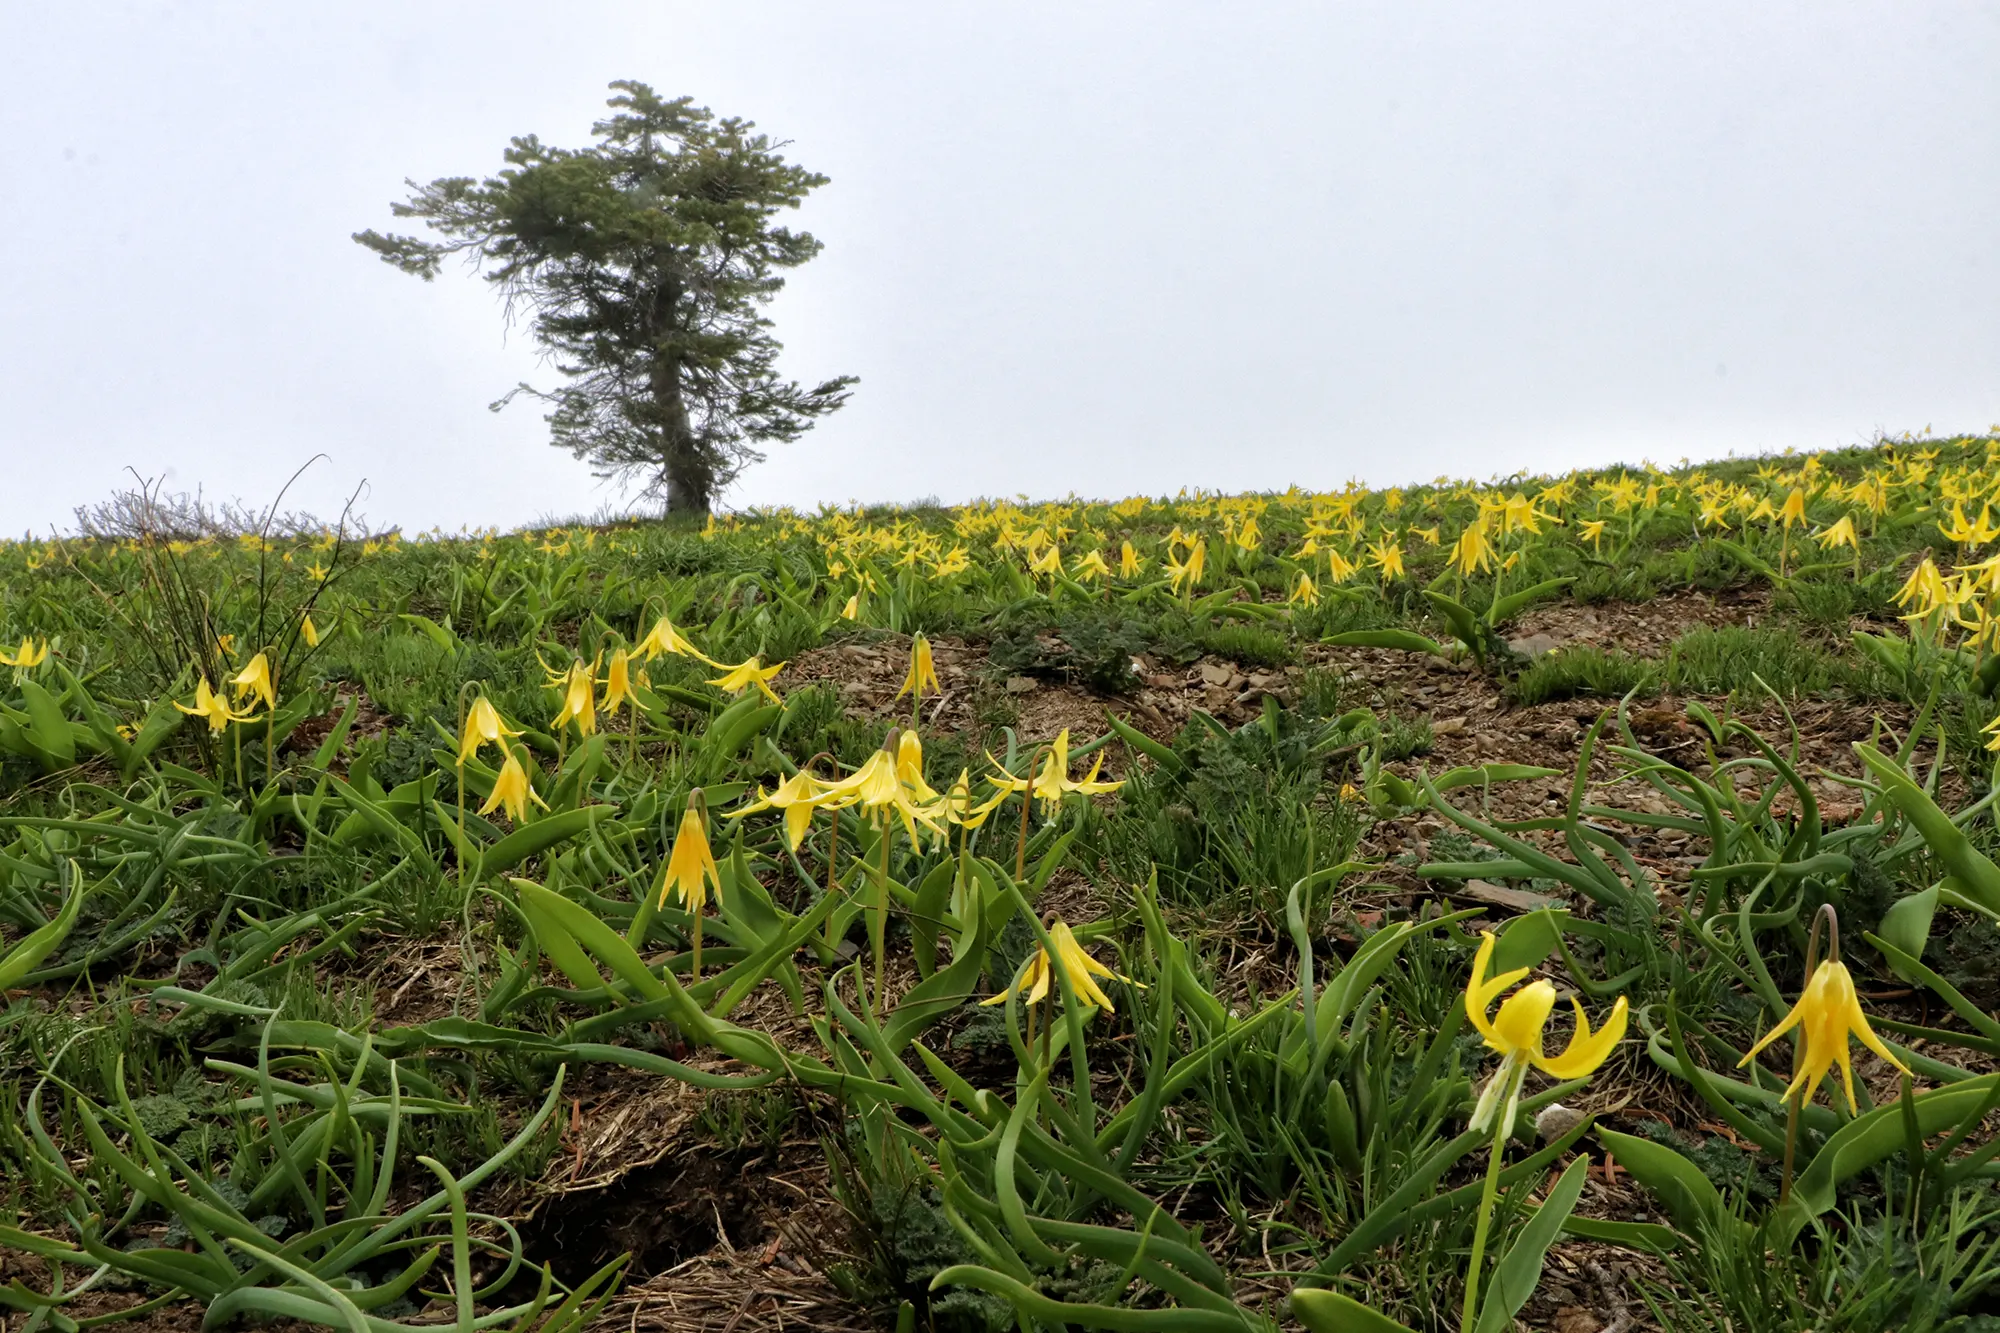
1101 248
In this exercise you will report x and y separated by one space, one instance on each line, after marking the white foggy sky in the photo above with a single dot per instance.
1106 248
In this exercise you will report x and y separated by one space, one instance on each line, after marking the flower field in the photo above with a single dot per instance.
1555 903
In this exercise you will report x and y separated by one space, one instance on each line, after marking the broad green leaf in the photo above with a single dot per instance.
1519 1271
38 944
1650 1237
47 727
576 942
1323 1310
1474 775
1978 877
1404 640
1867 1140
1688 1195
438 634
1506 608
534 838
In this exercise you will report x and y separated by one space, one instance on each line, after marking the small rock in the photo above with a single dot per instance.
1216 673
1499 895
1022 684
1450 726
1556 1120
1533 645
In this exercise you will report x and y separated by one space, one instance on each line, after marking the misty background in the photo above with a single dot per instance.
1100 249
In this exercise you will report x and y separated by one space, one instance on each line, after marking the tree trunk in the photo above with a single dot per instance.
688 476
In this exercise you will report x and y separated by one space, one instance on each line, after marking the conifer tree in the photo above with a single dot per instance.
646 260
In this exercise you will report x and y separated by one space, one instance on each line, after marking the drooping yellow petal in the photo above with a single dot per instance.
254 681
512 791
690 865
483 726
1828 1013
922 674
1586 1050
1480 991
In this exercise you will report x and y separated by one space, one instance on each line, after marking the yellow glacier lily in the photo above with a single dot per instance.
690 865
254 681
579 687
1515 1032
207 704
797 797
483 726
664 638
511 791
922 674
31 654
1829 1012
1078 968
743 675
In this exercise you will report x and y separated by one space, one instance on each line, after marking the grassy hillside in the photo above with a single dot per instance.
1019 915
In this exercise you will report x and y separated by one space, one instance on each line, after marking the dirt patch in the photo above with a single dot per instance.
1643 629
869 672
868 675
369 721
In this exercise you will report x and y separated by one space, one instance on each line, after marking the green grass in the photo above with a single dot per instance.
1568 673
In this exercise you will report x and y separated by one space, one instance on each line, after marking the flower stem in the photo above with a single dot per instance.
879 927
1488 1192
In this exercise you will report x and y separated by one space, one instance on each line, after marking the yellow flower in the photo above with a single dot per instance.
1092 567
483 726
31 654
1196 558
743 675
1129 563
579 687
1795 507
1387 556
1924 589
1970 534
309 631
1430 535
1247 537
255 680
1472 551
1338 568
664 638
797 796
910 768
207 704
922 674
1048 562
511 790
959 807
1054 782
1830 1013
1305 591
1840 534
878 787
852 611
690 865
1515 1032
1078 968
618 683
1594 530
